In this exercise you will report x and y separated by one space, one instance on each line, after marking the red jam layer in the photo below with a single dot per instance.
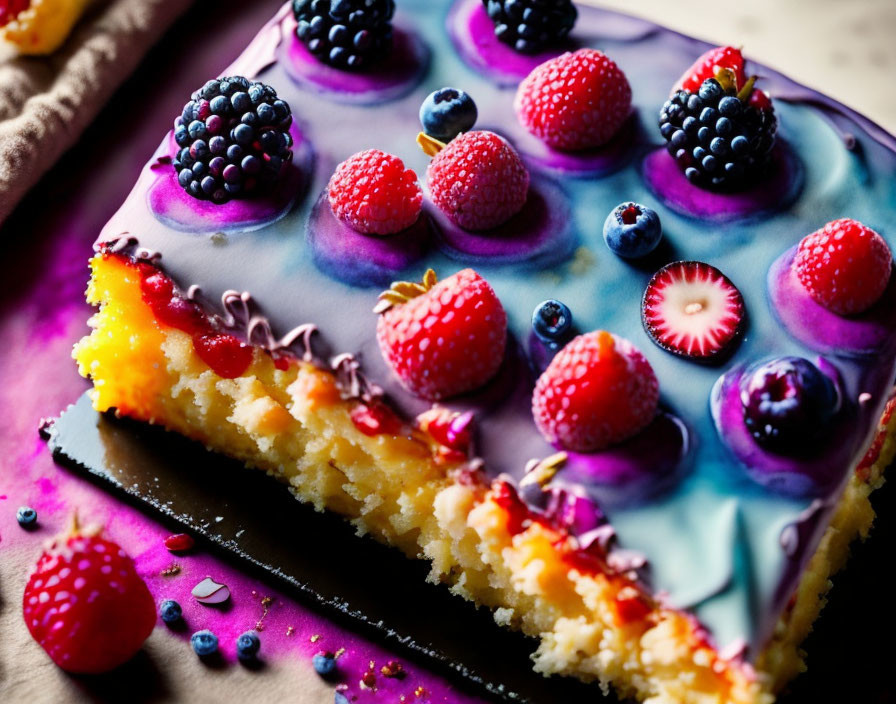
226 355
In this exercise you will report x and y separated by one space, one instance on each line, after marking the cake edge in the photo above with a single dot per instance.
590 625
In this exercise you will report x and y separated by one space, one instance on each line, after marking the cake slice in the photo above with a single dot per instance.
650 457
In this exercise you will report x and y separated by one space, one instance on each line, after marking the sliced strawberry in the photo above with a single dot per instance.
707 65
692 309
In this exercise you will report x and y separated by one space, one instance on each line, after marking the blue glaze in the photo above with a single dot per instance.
713 539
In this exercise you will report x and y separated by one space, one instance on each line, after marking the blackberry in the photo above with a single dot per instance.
718 137
531 25
233 139
347 34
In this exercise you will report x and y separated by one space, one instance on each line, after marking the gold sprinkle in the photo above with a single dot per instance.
430 145
171 570
544 471
290 630
339 653
315 638
420 691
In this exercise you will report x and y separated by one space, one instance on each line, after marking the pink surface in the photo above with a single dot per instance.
38 380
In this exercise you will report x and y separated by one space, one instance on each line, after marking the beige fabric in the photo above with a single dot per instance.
46 102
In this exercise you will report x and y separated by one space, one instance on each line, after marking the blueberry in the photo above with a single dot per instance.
324 664
446 113
247 645
340 698
26 516
552 322
788 404
205 643
170 611
632 230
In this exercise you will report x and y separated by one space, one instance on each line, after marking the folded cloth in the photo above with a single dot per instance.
47 102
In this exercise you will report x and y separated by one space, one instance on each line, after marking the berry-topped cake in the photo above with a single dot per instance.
597 319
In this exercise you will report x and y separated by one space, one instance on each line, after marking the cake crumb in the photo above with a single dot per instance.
290 630
393 668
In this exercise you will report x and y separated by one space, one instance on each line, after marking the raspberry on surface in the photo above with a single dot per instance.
577 101
478 180
373 193
86 605
530 26
346 34
444 338
597 391
845 266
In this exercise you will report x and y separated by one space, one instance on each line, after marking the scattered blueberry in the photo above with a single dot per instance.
340 698
788 402
632 230
248 645
170 611
324 663
26 516
446 113
552 323
204 643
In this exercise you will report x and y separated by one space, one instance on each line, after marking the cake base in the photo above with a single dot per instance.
290 421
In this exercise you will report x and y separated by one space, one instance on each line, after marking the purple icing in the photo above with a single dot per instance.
541 234
473 35
776 192
394 76
177 209
358 259
599 161
821 329
810 475
635 470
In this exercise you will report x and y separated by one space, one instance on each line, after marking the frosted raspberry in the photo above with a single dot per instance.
576 101
478 181
373 193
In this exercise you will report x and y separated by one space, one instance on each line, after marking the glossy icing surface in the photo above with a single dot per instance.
713 537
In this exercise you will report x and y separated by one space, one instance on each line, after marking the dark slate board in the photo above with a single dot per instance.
185 486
